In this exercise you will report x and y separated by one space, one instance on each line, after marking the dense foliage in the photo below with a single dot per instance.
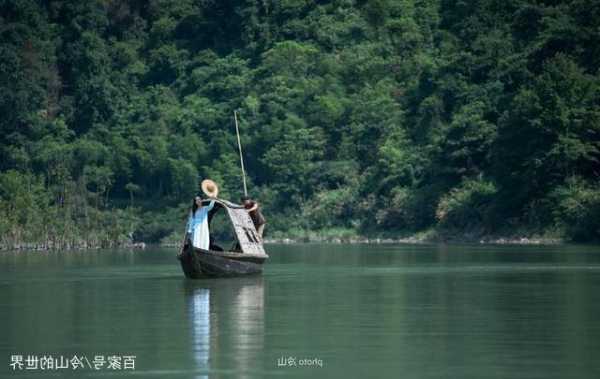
361 115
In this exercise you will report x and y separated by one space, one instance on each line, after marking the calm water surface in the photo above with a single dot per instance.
426 311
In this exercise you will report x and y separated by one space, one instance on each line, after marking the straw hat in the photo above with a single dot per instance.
210 188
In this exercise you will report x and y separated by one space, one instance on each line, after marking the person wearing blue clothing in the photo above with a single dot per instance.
197 227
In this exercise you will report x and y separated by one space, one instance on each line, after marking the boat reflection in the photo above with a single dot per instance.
199 315
226 319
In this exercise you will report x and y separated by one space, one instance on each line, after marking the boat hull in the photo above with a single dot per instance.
199 263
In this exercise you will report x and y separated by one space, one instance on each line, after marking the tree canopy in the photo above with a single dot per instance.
369 115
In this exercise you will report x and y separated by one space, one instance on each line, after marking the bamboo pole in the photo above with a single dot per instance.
237 132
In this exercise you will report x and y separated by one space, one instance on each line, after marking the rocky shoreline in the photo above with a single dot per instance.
420 240
69 247
417 239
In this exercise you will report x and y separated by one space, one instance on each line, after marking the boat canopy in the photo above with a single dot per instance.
247 236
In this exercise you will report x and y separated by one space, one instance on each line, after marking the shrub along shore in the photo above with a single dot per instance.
473 119
329 236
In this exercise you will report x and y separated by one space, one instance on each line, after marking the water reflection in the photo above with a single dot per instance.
226 319
199 315
372 311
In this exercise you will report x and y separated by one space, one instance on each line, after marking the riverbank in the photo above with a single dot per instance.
70 247
338 236
342 235
415 240
420 239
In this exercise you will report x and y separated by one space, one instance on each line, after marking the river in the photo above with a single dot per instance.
336 311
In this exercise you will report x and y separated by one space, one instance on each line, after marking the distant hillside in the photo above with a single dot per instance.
370 116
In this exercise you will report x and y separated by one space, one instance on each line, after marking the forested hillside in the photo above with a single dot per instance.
357 116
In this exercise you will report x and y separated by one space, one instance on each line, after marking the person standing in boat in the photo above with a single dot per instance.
256 215
198 222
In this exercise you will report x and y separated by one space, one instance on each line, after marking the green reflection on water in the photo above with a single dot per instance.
423 311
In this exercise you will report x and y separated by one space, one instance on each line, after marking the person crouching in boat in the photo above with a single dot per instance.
255 214
198 223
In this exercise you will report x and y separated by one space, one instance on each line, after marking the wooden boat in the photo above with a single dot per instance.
247 257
